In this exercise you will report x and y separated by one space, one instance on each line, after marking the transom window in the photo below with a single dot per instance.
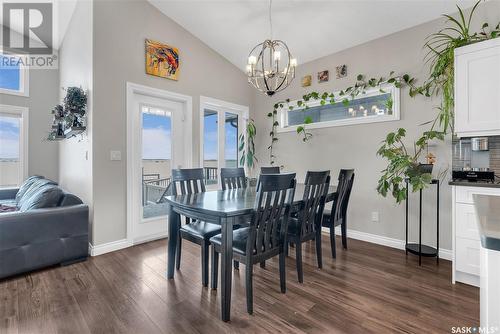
380 104
13 76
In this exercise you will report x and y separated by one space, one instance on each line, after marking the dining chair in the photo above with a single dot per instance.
269 170
338 214
191 181
307 224
233 178
265 238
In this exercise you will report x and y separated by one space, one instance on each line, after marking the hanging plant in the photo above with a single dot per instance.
403 163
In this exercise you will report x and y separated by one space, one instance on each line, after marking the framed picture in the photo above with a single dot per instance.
162 60
306 80
323 76
341 71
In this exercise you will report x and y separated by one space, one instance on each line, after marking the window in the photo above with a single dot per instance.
13 76
376 105
13 141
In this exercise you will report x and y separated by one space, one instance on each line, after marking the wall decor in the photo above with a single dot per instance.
306 80
70 116
162 60
323 76
341 71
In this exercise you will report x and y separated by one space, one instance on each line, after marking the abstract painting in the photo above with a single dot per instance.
306 80
323 76
341 71
162 60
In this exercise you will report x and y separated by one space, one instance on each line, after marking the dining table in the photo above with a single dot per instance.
225 208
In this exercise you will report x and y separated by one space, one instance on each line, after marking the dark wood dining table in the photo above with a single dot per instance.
225 208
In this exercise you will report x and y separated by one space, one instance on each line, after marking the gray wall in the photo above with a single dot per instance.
120 32
75 65
43 96
355 146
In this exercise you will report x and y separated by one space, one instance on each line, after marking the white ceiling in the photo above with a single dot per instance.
311 28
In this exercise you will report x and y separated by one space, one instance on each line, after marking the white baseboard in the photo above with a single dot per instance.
445 254
149 238
109 247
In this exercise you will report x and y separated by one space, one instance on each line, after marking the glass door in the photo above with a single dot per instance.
221 126
156 159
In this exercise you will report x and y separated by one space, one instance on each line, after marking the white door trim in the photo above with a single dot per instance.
220 105
187 102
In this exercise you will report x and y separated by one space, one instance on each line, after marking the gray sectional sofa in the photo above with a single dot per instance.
41 225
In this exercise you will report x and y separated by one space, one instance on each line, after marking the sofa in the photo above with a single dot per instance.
41 225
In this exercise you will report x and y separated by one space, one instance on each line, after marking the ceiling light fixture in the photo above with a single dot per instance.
271 67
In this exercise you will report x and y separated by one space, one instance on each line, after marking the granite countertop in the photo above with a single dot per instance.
474 184
488 214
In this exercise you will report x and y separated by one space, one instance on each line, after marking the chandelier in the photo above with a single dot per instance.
271 67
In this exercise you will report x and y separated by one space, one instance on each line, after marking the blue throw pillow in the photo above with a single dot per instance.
35 186
26 185
47 196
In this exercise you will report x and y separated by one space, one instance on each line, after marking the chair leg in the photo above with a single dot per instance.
178 253
343 227
204 263
249 286
319 255
332 241
215 268
236 265
283 272
263 264
287 246
298 258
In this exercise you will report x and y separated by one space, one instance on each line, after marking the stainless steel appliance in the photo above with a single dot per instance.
479 144
474 175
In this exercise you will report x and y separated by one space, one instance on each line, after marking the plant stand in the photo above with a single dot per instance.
418 248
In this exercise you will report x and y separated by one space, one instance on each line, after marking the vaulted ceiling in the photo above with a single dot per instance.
311 28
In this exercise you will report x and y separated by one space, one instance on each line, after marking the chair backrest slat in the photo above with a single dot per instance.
272 210
233 178
270 170
187 181
346 180
315 191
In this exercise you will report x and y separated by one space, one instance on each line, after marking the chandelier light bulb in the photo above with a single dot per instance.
277 55
252 60
293 62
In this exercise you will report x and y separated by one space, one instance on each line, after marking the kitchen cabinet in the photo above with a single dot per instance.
477 83
466 239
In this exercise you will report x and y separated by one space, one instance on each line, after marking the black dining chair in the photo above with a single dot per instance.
307 224
338 215
269 170
233 178
191 181
265 238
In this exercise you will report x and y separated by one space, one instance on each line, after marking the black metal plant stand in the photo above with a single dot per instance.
418 248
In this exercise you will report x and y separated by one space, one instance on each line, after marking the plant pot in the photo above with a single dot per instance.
73 131
425 168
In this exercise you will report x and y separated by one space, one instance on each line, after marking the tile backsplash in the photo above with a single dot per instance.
463 156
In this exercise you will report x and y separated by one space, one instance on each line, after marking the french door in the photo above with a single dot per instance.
157 138
221 123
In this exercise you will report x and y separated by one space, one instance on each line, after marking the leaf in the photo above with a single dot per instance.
308 120
359 77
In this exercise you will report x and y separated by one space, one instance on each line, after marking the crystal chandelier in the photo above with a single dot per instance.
271 67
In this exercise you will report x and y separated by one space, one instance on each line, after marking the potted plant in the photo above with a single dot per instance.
246 148
69 117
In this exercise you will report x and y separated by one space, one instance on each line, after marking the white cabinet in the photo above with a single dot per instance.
466 242
477 87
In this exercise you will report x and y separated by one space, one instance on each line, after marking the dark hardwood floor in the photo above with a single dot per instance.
367 289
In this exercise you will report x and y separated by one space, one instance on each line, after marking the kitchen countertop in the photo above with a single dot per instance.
488 213
474 184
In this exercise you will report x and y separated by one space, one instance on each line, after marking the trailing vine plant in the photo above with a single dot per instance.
403 162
